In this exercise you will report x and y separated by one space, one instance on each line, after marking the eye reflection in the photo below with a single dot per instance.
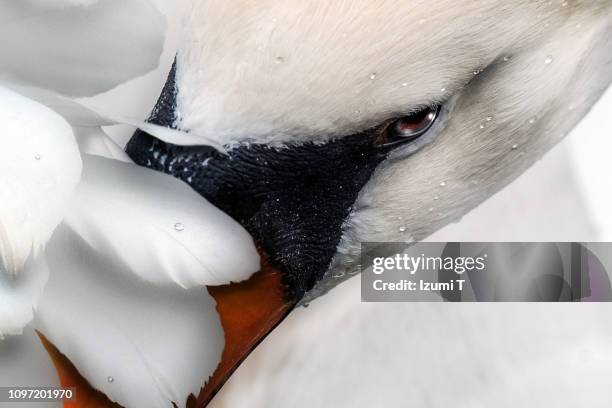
408 128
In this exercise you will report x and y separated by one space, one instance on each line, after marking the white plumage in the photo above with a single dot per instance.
120 288
157 227
520 76
40 165
285 73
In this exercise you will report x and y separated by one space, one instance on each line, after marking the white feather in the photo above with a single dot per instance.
52 4
89 119
40 166
79 47
143 345
94 141
74 112
24 362
158 227
174 136
19 296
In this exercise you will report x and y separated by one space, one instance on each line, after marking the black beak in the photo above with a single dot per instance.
293 199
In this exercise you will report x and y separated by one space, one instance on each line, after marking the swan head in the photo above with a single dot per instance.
348 122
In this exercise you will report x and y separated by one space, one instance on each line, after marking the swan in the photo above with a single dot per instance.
347 122
343 123
350 123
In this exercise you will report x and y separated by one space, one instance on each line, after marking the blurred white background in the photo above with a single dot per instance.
340 352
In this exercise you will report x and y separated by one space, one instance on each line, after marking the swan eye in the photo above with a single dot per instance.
408 128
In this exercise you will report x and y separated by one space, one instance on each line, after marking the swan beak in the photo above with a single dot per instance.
293 200
245 327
